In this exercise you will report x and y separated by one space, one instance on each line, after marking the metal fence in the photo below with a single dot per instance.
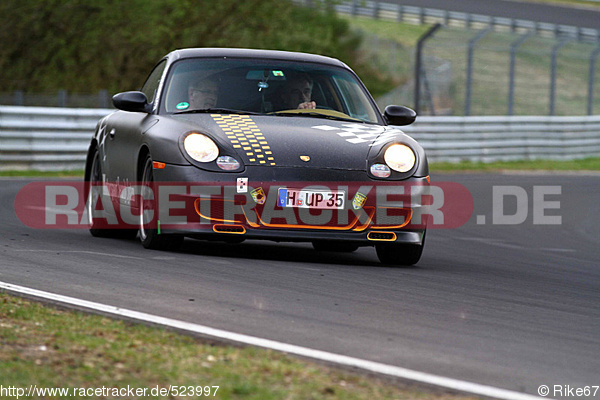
485 65
422 15
493 73
58 138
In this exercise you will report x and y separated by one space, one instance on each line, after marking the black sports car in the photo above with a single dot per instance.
229 144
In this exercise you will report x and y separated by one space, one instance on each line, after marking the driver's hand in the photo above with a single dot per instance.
308 105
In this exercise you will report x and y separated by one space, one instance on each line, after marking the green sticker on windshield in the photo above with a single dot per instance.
277 73
182 106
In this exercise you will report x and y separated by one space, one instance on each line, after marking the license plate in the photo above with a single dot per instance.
322 199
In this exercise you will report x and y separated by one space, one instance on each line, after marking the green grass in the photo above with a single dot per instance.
41 174
48 347
585 3
586 164
405 34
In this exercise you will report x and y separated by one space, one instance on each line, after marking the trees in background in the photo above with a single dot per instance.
87 45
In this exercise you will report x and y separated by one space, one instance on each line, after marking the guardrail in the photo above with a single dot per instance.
60 98
505 138
46 138
58 138
422 15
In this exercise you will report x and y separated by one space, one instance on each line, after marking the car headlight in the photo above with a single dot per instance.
200 147
399 157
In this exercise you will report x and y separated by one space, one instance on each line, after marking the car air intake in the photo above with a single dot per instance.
382 236
223 228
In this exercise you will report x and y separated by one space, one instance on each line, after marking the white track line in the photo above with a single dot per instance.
449 383
95 253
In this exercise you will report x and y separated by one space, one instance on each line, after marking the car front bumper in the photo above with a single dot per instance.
214 206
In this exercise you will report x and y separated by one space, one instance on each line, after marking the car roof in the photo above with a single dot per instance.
252 53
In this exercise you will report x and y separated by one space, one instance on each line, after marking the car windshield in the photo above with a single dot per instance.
279 88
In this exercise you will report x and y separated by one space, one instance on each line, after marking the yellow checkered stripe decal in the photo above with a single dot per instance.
244 134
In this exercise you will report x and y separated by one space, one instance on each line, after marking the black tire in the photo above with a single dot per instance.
99 228
332 245
399 253
150 238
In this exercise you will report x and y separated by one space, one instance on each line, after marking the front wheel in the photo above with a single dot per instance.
151 238
93 186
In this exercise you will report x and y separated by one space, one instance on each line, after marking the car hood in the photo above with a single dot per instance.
295 141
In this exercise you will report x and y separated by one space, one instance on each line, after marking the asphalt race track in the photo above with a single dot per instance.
512 306
585 17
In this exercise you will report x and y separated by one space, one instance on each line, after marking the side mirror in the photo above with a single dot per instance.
399 115
131 101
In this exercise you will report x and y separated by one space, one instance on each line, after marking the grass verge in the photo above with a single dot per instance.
42 174
406 34
53 348
586 3
586 164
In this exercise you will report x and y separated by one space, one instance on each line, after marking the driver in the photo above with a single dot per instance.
203 94
298 92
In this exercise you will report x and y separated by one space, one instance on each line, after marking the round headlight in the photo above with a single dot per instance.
200 147
399 157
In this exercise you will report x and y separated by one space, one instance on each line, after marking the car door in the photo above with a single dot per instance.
125 132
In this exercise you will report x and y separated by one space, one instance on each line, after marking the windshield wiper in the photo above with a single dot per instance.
216 111
316 115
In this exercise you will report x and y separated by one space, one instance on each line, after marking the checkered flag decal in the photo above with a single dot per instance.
360 133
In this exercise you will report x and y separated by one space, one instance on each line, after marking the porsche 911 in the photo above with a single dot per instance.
235 144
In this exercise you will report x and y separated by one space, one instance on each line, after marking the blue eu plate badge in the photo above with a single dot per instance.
282 197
